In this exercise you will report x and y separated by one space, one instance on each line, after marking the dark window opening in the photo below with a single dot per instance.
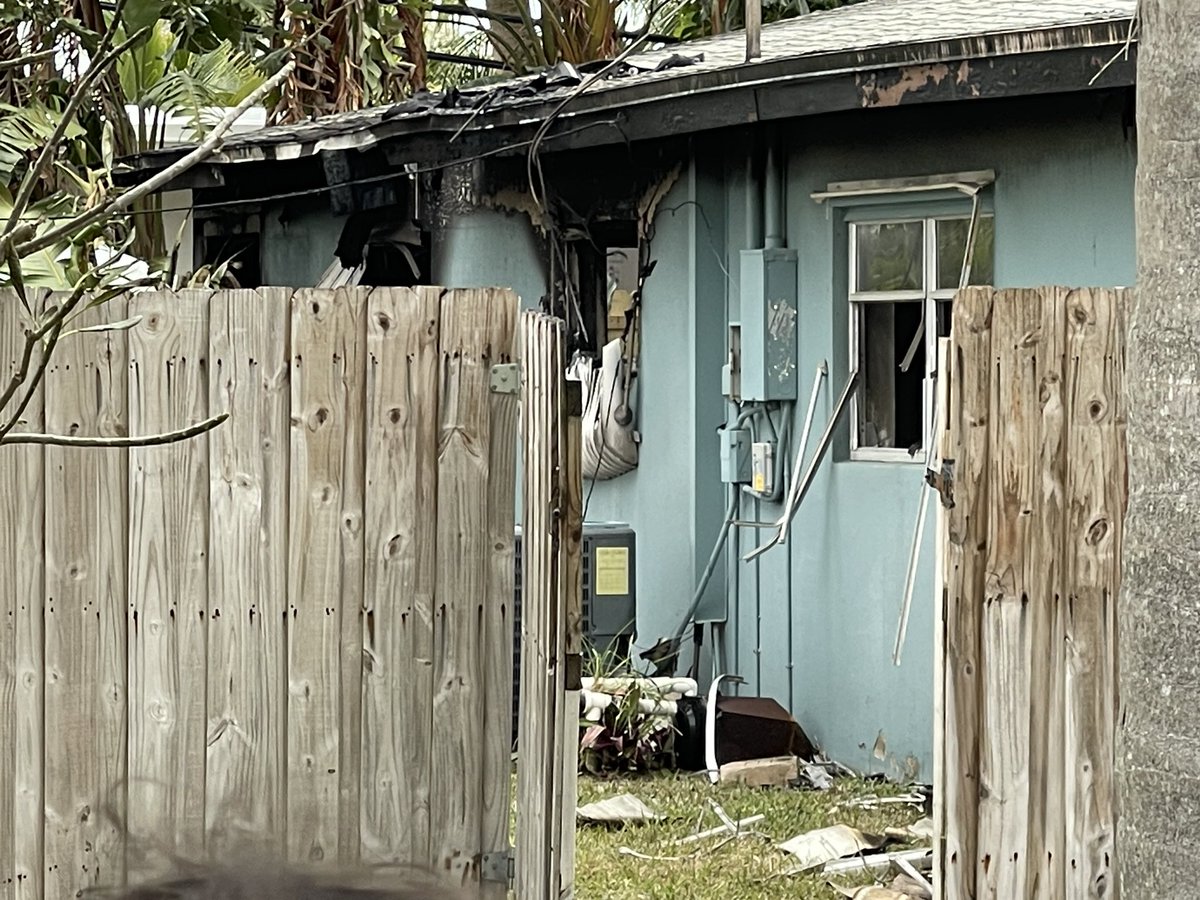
390 252
890 412
240 256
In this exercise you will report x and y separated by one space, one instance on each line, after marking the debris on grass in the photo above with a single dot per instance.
823 845
874 892
878 864
675 858
817 777
910 874
918 890
874 801
741 825
777 771
623 809
903 887
707 851
920 830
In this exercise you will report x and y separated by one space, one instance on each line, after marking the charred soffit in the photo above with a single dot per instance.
437 130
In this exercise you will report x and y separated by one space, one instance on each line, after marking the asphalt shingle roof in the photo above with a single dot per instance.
1002 26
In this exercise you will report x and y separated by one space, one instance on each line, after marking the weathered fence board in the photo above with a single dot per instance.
22 558
1043 563
1031 552
550 617
246 763
85 634
168 574
1095 506
401 531
965 544
471 339
325 570
293 634
1004 807
503 407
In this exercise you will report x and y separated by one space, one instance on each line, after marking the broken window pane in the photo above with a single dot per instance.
890 257
891 402
952 244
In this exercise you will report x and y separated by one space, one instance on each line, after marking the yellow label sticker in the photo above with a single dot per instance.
612 571
760 482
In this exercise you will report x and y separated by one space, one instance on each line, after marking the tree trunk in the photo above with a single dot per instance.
1159 607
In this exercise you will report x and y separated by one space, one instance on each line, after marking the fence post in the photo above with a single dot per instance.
1031 554
550 617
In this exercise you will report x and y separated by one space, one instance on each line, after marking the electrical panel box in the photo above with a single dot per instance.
735 455
767 333
762 456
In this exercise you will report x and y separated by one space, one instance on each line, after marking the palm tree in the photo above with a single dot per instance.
1159 831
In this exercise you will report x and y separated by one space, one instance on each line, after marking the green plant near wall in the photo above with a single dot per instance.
625 740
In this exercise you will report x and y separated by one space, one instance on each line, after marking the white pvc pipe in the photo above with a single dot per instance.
665 686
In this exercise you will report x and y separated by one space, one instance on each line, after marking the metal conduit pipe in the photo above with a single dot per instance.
773 193
718 547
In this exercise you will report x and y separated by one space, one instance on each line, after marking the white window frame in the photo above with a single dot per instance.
929 296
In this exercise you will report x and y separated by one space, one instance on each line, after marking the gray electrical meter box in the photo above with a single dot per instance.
769 325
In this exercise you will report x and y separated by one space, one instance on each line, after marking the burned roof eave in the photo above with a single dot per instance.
988 67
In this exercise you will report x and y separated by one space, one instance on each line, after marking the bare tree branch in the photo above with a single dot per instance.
38 375
108 56
50 330
150 440
31 60
206 148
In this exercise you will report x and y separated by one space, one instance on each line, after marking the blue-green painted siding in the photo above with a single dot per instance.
1063 202
489 248
298 242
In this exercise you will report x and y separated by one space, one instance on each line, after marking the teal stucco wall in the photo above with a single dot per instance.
490 248
1063 205
1063 202
298 242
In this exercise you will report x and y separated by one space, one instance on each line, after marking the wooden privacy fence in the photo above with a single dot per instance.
297 628
1031 566
551 614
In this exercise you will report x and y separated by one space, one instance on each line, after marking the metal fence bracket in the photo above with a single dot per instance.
498 867
505 378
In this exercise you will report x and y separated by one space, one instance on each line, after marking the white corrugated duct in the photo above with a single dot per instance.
609 439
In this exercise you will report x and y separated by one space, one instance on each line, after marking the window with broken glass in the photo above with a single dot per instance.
903 277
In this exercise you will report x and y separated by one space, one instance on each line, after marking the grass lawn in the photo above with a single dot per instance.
723 870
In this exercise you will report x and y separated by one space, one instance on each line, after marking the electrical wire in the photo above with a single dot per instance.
370 179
